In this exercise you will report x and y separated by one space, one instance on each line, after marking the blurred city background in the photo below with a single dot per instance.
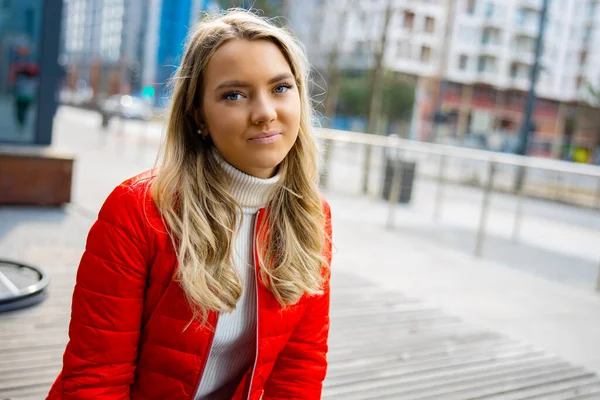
460 151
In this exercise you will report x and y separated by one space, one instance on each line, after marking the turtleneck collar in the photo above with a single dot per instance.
250 192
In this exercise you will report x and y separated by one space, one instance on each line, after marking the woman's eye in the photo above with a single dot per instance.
282 88
232 96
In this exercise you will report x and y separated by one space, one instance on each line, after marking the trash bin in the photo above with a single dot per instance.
105 119
409 169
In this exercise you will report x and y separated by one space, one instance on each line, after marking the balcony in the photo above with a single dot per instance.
487 77
519 82
493 21
523 56
491 41
533 5
519 75
487 70
491 49
591 13
527 28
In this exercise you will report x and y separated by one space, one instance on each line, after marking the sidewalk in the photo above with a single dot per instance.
560 318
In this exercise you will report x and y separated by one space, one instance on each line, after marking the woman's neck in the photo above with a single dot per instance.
250 192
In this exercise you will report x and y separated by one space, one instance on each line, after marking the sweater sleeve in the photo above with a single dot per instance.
100 358
301 367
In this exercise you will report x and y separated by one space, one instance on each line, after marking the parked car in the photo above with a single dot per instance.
127 107
77 97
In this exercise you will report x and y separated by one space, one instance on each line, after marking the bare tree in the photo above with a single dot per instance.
439 80
333 82
375 101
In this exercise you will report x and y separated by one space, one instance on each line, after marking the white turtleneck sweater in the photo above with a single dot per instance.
234 346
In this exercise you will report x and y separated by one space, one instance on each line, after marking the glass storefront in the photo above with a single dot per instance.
20 48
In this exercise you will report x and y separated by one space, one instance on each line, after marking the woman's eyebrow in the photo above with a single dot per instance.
237 83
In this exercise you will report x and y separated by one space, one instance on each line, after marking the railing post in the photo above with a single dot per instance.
327 150
598 279
485 208
366 169
557 194
437 212
396 187
598 194
519 208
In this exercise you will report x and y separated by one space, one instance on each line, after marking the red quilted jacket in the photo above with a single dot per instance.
127 337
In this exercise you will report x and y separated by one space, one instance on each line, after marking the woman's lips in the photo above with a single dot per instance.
266 137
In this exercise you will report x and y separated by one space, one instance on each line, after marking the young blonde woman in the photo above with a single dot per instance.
208 277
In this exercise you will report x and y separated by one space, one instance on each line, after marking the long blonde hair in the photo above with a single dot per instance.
191 190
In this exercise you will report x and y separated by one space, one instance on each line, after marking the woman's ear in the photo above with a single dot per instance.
199 118
202 129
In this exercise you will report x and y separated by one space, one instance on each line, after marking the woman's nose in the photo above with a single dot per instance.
263 111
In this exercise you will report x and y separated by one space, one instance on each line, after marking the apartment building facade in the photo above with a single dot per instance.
102 43
491 52
121 46
484 57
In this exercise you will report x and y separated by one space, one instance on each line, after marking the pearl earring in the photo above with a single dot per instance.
202 136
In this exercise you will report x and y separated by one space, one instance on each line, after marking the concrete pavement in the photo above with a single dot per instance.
558 317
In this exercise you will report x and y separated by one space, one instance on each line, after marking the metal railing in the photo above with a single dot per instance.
492 160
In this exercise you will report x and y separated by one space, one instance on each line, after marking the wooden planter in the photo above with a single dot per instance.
35 176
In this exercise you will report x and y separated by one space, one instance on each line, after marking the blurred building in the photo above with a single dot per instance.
489 49
491 52
20 27
122 46
103 43
28 69
176 18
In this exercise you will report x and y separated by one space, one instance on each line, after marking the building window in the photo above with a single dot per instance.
521 17
471 6
481 64
587 35
429 24
513 70
524 44
485 38
486 64
490 36
409 20
489 10
425 54
462 62
20 20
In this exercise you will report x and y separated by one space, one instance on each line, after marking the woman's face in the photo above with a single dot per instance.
251 105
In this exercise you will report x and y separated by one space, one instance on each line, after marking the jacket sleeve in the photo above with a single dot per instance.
301 366
100 358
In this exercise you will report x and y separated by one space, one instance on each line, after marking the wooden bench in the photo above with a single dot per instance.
35 175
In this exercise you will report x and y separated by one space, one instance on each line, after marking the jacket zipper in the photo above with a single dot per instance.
254 254
212 336
210 343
